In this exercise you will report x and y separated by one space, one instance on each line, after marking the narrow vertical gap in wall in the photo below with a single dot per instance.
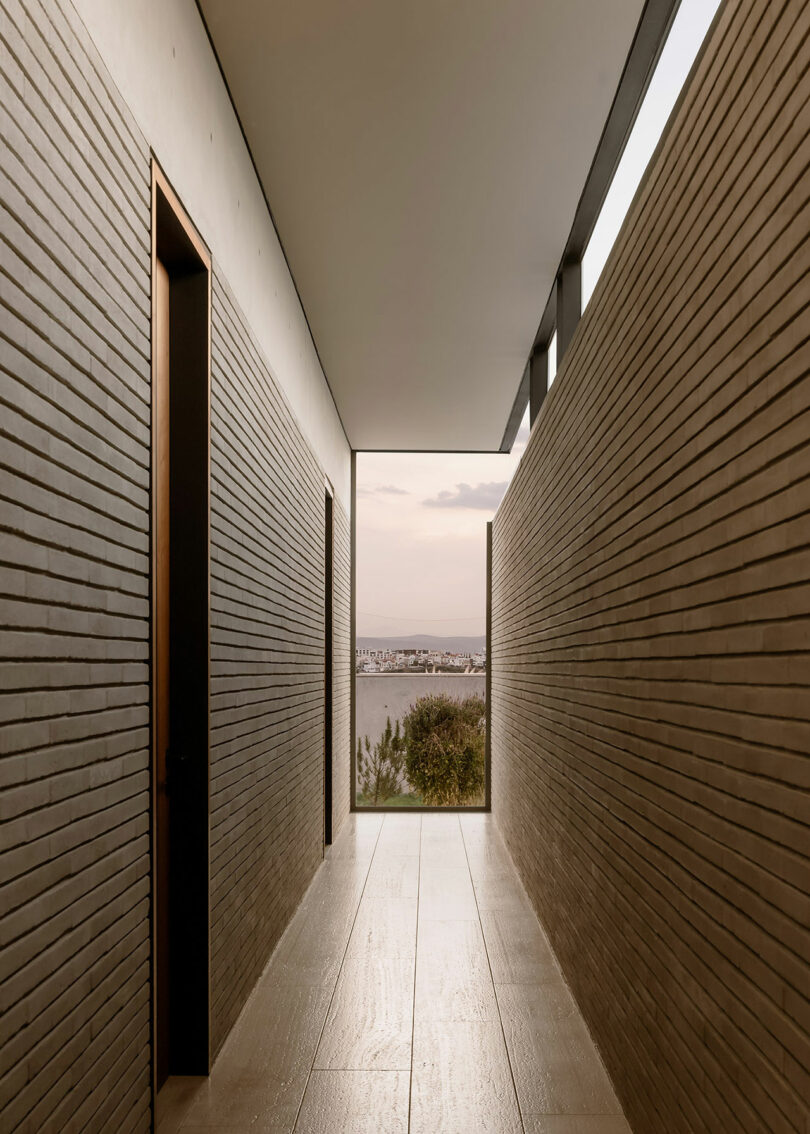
180 603
329 584
488 687
353 631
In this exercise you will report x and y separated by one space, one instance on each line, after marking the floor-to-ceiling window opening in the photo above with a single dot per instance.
420 631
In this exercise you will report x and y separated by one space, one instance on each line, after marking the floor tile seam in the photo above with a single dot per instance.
363 1070
301 912
573 1114
269 964
559 980
532 915
415 970
495 990
337 979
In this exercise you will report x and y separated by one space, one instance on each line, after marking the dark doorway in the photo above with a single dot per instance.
328 675
180 645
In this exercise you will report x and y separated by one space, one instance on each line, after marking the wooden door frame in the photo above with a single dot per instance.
163 196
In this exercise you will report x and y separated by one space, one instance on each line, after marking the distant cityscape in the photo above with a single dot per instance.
415 660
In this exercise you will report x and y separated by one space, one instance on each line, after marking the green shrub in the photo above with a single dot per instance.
444 749
379 768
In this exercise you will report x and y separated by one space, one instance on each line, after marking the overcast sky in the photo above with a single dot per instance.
421 539
421 519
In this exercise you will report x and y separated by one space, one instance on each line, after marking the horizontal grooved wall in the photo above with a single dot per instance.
341 669
75 391
74 563
651 614
267 662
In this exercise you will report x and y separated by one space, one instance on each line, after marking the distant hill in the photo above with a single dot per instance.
461 645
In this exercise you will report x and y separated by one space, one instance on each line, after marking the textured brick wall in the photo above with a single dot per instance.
74 609
74 560
267 610
342 670
650 615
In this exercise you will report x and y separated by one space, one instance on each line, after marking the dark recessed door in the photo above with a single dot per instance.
180 639
162 669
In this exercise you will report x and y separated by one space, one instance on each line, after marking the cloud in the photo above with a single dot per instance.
484 496
381 489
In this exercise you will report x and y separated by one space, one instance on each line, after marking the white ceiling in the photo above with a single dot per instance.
423 160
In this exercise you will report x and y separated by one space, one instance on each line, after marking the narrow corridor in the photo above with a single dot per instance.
414 990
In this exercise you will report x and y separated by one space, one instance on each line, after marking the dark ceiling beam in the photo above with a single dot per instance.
648 43
569 304
518 410
538 382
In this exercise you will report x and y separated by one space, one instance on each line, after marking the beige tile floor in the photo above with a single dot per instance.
414 990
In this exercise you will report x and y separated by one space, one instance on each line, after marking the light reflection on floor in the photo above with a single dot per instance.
414 990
